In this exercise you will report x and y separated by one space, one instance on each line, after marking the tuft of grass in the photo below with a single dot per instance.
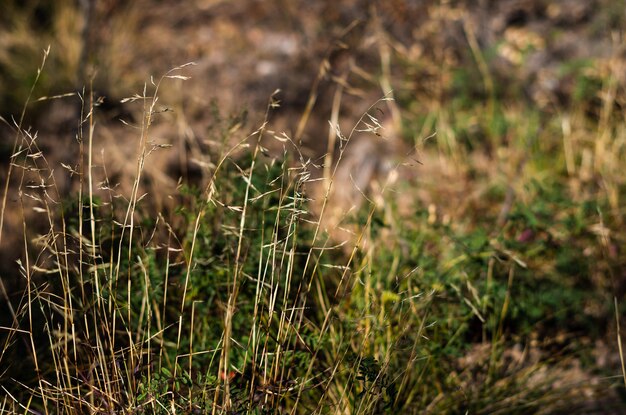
483 280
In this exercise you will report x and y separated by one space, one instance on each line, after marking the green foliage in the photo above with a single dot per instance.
477 293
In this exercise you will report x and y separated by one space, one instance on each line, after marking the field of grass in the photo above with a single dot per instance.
481 272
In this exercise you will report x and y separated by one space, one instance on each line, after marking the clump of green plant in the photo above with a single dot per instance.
236 301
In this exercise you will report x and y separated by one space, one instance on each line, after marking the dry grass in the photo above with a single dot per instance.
463 257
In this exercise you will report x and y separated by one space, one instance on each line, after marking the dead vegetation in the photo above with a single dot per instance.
346 207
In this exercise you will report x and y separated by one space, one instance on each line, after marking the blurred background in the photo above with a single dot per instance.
492 80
